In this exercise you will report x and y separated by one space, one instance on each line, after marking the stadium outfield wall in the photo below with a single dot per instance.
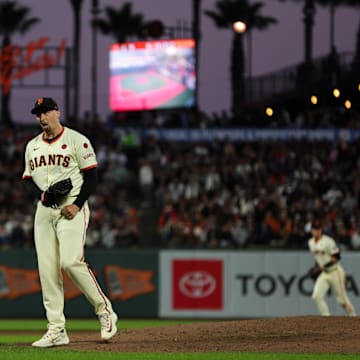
180 284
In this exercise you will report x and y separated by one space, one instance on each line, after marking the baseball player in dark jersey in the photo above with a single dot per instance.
62 155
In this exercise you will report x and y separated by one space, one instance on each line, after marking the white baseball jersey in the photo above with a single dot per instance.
323 249
67 155
59 241
333 277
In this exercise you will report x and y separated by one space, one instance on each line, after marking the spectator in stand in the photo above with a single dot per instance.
146 182
240 232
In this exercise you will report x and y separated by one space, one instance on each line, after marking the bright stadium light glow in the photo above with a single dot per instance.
239 26
269 111
336 92
314 99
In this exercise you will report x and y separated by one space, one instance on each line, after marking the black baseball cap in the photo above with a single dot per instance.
44 104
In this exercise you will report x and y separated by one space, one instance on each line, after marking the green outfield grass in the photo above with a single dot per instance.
153 82
83 324
182 98
16 346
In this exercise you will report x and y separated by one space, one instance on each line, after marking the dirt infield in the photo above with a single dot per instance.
308 334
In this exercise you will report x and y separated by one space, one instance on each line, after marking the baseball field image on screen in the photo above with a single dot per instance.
149 75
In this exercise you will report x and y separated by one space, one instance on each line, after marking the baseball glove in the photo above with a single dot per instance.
314 272
52 196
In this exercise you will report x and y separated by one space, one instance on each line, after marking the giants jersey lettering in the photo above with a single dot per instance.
52 159
323 249
68 155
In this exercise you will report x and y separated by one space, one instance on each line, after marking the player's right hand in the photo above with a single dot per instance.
70 211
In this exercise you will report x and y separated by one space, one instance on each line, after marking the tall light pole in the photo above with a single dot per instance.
196 26
332 27
240 27
95 12
76 4
309 13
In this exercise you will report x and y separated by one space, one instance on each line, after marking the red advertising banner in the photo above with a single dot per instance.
197 284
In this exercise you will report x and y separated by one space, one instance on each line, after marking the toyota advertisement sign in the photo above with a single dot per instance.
231 284
197 284
192 284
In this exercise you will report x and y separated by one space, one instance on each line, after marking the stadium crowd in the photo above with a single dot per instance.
218 194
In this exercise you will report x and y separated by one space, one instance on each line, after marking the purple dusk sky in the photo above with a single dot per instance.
278 47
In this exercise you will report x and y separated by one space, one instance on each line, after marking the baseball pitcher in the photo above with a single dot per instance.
60 171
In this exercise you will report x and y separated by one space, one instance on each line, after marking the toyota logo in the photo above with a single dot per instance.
197 284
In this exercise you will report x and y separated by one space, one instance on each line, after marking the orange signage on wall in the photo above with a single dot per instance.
15 282
17 62
124 283
18 282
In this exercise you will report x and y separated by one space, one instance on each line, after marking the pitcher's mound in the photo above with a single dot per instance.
306 334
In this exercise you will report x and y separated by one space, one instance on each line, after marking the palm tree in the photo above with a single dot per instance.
309 10
333 5
120 23
14 19
76 6
228 12
309 15
356 64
